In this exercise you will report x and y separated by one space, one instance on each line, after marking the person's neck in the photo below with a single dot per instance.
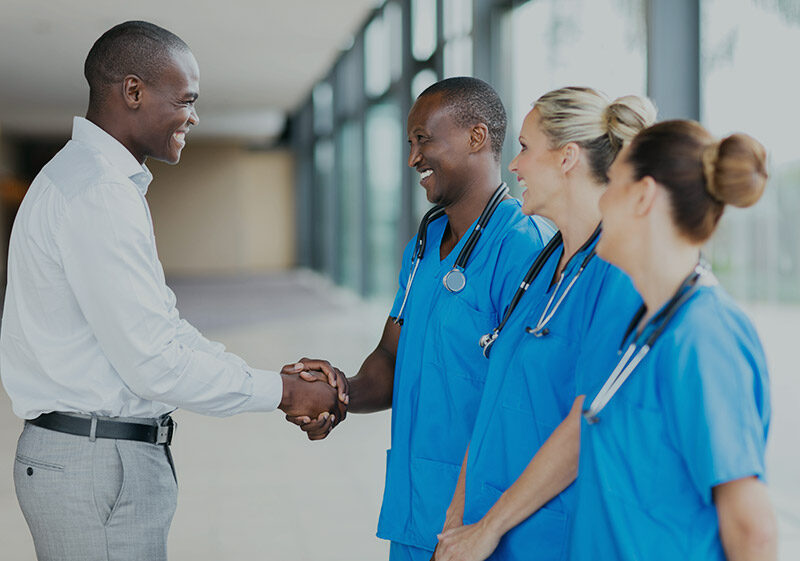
577 222
660 271
462 213
111 124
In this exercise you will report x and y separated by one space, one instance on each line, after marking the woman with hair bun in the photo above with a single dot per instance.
514 498
672 447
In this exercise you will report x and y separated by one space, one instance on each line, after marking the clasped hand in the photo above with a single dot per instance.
320 406
473 542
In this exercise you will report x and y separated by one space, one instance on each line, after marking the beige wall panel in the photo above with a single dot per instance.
223 209
268 209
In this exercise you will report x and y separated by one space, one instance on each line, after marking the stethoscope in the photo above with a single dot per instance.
541 330
455 280
700 276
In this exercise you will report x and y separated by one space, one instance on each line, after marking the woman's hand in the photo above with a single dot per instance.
473 542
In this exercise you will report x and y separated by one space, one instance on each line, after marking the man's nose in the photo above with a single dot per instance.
413 156
193 118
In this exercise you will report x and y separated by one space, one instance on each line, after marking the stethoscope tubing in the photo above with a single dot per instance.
487 340
466 251
544 319
633 356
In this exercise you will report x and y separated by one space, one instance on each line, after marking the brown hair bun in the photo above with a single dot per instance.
735 170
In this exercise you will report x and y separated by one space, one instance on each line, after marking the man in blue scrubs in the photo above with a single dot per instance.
428 366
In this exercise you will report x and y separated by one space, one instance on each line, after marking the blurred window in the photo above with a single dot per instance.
457 30
323 205
349 224
755 251
423 29
384 136
382 50
457 20
421 81
555 43
377 57
322 99
349 84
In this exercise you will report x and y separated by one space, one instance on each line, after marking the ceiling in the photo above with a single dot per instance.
258 58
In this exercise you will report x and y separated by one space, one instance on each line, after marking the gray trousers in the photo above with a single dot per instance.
106 500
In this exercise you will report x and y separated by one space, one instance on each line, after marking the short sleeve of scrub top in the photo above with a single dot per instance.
715 396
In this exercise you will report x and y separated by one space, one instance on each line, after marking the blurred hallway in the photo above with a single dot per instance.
252 487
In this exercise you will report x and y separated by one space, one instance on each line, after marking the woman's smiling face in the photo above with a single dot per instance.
537 167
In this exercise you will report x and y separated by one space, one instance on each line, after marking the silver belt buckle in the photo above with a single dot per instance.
166 432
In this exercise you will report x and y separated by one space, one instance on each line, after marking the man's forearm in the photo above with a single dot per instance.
371 389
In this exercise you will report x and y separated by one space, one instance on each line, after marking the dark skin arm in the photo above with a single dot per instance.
368 391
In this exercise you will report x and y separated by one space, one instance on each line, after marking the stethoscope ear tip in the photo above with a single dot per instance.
536 332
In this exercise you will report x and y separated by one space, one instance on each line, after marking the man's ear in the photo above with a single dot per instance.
478 137
132 91
646 194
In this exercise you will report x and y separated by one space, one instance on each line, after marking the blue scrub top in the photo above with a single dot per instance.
530 389
440 371
692 415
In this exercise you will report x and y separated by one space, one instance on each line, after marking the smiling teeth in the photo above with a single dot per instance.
179 136
522 183
426 173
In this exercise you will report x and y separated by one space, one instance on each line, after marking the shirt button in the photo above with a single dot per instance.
29 471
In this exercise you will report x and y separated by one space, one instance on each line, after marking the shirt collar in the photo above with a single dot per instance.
112 150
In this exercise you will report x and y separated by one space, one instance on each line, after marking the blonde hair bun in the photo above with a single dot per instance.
586 117
735 170
626 116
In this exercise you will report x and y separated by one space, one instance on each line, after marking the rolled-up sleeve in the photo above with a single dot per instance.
109 259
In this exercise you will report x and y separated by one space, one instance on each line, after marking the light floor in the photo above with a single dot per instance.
252 487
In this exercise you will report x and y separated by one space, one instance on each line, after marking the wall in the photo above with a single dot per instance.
5 157
7 171
224 209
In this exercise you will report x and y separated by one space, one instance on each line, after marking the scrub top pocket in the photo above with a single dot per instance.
643 468
462 325
543 535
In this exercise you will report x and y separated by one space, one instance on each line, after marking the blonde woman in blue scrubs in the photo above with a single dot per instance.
672 448
508 503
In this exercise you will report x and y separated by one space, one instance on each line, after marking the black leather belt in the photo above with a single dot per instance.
106 428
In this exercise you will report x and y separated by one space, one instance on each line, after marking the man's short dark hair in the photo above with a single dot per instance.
472 101
133 47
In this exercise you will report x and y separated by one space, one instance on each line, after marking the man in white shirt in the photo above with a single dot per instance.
93 352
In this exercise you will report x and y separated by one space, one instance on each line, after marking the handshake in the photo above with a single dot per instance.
315 396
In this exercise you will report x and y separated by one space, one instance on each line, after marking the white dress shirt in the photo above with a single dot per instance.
89 324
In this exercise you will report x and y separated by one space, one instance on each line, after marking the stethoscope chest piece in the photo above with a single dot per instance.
455 280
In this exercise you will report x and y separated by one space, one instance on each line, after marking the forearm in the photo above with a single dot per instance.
747 526
552 469
371 389
455 512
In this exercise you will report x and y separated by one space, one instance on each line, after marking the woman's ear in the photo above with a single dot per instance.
647 193
570 155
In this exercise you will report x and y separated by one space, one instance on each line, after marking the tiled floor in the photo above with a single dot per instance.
251 487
